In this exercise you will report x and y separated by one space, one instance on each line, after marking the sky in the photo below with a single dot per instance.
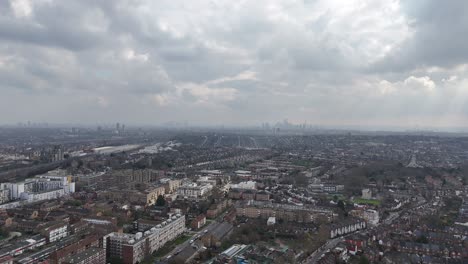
325 62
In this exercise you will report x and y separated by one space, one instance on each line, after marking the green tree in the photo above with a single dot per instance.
363 260
341 205
160 201
3 232
422 239
115 260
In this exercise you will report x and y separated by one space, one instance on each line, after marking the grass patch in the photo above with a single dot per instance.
338 196
366 201
180 239
169 246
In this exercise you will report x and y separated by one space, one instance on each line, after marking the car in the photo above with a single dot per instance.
206 231
168 257
191 241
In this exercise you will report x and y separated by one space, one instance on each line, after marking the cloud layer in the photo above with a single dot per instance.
327 62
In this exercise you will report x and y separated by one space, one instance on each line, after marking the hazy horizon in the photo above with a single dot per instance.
229 126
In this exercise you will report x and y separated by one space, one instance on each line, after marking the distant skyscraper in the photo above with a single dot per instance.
117 126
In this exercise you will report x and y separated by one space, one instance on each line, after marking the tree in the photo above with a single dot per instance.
422 239
341 205
115 260
160 201
3 232
363 260
323 233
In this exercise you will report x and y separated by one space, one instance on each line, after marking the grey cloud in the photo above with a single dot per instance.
144 60
54 27
440 37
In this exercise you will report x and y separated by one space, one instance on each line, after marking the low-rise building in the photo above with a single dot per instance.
91 255
147 197
55 231
4 195
6 260
287 212
218 208
371 216
198 222
271 220
58 256
366 194
194 191
171 186
153 194
19 247
347 227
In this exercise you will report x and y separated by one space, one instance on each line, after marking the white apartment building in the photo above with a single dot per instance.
55 232
194 190
39 188
16 189
371 216
4 195
132 248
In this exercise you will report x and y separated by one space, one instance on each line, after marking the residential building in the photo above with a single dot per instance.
287 212
55 231
271 220
6 260
171 185
347 227
91 255
366 194
218 208
132 248
59 256
4 194
42 187
193 190
198 222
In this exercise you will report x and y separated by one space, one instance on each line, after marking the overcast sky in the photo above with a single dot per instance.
330 62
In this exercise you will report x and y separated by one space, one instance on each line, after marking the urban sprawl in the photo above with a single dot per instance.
279 194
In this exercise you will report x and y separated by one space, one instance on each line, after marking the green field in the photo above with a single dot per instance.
181 239
366 201
169 246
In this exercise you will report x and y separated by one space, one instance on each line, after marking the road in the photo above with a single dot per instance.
254 141
204 141
314 257
218 142
197 235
